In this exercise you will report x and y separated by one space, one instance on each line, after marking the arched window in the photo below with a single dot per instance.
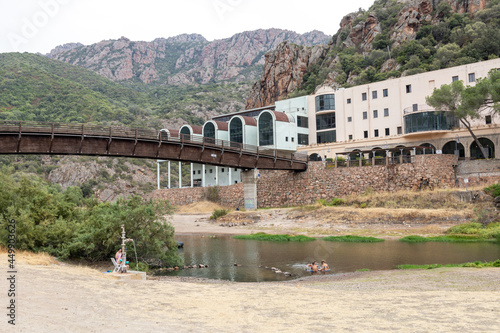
236 130
186 130
314 157
488 146
209 132
454 147
266 129
430 149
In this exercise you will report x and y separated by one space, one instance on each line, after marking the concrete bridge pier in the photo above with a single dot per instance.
249 180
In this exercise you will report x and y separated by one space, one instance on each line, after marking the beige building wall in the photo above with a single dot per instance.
402 94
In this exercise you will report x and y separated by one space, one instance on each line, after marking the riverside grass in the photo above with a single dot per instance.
352 239
446 239
475 264
262 236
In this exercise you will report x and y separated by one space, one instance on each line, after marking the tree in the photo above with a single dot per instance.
468 102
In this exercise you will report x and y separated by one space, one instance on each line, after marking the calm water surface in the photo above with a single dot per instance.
222 252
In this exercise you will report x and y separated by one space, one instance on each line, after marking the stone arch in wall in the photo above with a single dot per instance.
314 157
454 147
398 152
431 150
489 146
377 152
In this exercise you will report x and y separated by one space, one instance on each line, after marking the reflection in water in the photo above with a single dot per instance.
223 252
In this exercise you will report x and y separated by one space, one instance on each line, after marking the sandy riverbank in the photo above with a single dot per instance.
57 298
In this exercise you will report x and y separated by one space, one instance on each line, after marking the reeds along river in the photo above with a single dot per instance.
223 252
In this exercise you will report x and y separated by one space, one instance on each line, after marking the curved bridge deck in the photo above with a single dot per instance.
81 139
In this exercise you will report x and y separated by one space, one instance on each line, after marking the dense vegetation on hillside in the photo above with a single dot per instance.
67 225
35 88
451 39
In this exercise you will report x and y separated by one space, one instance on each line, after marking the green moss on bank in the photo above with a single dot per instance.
353 239
261 236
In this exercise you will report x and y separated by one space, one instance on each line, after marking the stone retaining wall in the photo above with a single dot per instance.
283 188
478 172
231 196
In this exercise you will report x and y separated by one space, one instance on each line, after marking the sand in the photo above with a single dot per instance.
53 297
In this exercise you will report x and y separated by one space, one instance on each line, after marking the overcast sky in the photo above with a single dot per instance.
40 25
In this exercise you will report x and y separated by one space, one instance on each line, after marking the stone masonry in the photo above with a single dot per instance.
288 188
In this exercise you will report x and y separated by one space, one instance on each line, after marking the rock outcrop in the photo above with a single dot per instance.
286 66
283 72
184 59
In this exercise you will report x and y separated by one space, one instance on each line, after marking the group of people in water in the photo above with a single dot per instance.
314 268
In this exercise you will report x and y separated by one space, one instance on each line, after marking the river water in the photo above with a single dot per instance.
222 252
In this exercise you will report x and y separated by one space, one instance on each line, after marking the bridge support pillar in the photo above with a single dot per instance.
192 182
203 175
216 176
169 185
249 179
180 174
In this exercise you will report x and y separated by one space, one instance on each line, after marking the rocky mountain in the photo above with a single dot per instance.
184 59
379 43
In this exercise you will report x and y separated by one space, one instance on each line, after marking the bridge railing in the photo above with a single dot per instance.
143 134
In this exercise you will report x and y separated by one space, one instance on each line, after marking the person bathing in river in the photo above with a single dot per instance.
314 267
324 267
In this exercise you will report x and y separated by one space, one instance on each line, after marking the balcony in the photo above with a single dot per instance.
423 118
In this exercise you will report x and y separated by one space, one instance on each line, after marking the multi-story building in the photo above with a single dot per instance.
376 116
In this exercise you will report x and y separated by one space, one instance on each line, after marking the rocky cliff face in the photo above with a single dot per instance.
283 70
286 66
184 59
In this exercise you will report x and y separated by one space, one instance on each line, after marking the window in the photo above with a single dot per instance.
375 133
325 137
386 112
324 121
211 170
350 136
375 113
385 92
349 119
286 138
365 115
454 78
199 171
302 122
374 94
222 170
408 88
266 129
235 169
363 96
488 120
325 102
387 132
472 77
194 172
293 138
365 134
236 130
415 107
209 132
348 101
303 139
400 130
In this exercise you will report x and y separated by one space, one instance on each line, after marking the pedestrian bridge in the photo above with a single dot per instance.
80 139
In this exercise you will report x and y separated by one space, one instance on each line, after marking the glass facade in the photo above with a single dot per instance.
325 121
236 130
325 137
266 129
325 102
429 121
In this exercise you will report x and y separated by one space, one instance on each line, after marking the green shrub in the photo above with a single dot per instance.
493 190
218 213
261 236
212 193
352 239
